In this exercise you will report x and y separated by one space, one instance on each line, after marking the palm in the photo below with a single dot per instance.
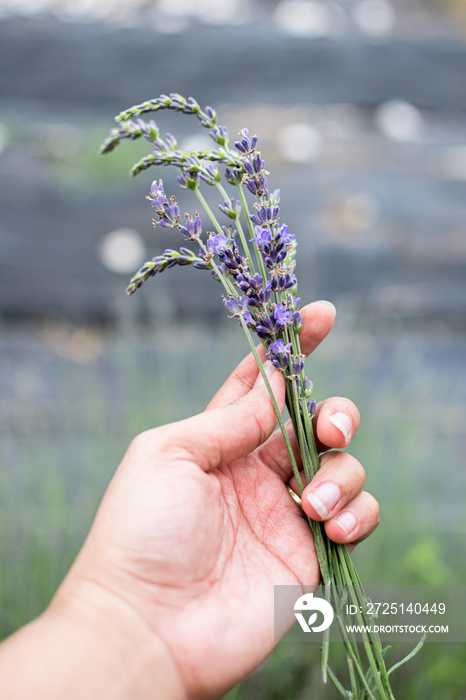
241 534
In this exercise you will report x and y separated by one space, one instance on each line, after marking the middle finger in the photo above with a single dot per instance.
332 416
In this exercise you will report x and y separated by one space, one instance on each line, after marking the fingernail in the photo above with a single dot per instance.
346 521
343 423
269 370
324 498
329 304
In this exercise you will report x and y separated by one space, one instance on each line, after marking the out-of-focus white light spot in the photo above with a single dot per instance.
24 7
454 162
303 18
300 143
374 17
222 11
399 120
3 137
167 16
122 250
209 11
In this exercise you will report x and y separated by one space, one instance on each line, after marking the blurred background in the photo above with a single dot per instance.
361 110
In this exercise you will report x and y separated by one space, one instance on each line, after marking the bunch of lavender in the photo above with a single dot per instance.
255 267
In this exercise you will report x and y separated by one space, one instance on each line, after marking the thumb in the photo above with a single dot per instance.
222 435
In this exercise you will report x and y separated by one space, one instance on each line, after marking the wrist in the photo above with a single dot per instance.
125 647
88 643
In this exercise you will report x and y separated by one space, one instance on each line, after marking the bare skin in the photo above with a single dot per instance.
171 595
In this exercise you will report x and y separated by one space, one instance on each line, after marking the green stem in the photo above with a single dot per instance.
337 683
317 527
354 687
369 648
326 639
245 246
351 654
208 210
338 582
335 558
297 424
222 191
375 640
274 403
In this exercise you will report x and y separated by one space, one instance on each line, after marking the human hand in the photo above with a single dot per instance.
197 526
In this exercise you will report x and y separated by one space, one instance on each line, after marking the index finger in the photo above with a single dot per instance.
318 320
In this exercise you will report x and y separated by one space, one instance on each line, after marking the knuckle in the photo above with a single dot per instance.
139 441
261 428
337 459
359 471
143 441
328 458
372 508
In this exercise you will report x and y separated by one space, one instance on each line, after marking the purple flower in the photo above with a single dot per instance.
252 187
279 353
237 307
193 229
249 318
286 281
258 164
297 363
281 315
304 390
233 177
217 244
248 167
265 327
264 294
246 145
279 347
253 286
157 197
307 387
265 215
297 320
262 237
170 216
274 246
284 235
